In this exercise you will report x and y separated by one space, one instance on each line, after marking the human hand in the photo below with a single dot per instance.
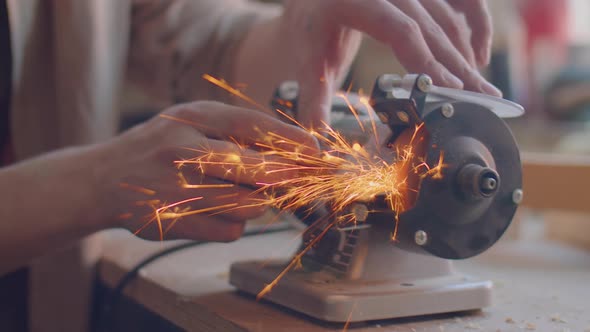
447 40
142 161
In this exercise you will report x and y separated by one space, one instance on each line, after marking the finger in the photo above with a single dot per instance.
229 162
319 79
388 24
200 228
453 26
479 19
315 99
225 122
444 50
227 200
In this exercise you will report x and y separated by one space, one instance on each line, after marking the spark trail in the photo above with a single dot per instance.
341 174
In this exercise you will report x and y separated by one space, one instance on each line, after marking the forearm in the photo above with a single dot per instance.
46 203
173 43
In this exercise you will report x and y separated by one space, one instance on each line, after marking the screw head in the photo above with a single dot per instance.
421 238
424 83
289 90
517 196
360 212
447 111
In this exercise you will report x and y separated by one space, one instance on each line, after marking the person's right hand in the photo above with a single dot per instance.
145 157
446 39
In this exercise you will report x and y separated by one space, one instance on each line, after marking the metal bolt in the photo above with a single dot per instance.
360 212
421 238
517 196
289 90
447 111
424 83
388 82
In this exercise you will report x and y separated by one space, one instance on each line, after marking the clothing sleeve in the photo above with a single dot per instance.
173 43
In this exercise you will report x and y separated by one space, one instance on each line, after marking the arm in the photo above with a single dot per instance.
173 43
46 202
56 198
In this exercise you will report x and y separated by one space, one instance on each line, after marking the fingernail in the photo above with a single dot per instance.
489 89
452 81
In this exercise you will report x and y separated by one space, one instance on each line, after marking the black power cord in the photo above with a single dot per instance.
106 320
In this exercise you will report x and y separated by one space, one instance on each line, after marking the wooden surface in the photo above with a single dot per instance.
538 286
557 182
568 227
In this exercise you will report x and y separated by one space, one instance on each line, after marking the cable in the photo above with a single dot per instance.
106 321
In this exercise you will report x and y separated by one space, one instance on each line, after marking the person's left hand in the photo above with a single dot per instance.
446 39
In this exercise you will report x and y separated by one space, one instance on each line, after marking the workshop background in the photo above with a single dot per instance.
541 59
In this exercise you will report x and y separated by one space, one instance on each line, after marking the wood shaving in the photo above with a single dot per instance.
509 320
530 326
473 326
557 318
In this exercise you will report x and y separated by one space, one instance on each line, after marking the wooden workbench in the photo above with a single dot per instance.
538 287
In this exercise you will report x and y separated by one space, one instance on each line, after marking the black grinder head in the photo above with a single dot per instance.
464 212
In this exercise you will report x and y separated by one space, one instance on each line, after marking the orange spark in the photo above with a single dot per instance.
347 324
345 173
138 189
352 110
224 85
294 262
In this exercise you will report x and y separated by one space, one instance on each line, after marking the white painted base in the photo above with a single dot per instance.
321 295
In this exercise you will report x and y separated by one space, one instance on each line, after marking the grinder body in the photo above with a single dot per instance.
456 215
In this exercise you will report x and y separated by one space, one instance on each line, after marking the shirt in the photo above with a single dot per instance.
73 58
